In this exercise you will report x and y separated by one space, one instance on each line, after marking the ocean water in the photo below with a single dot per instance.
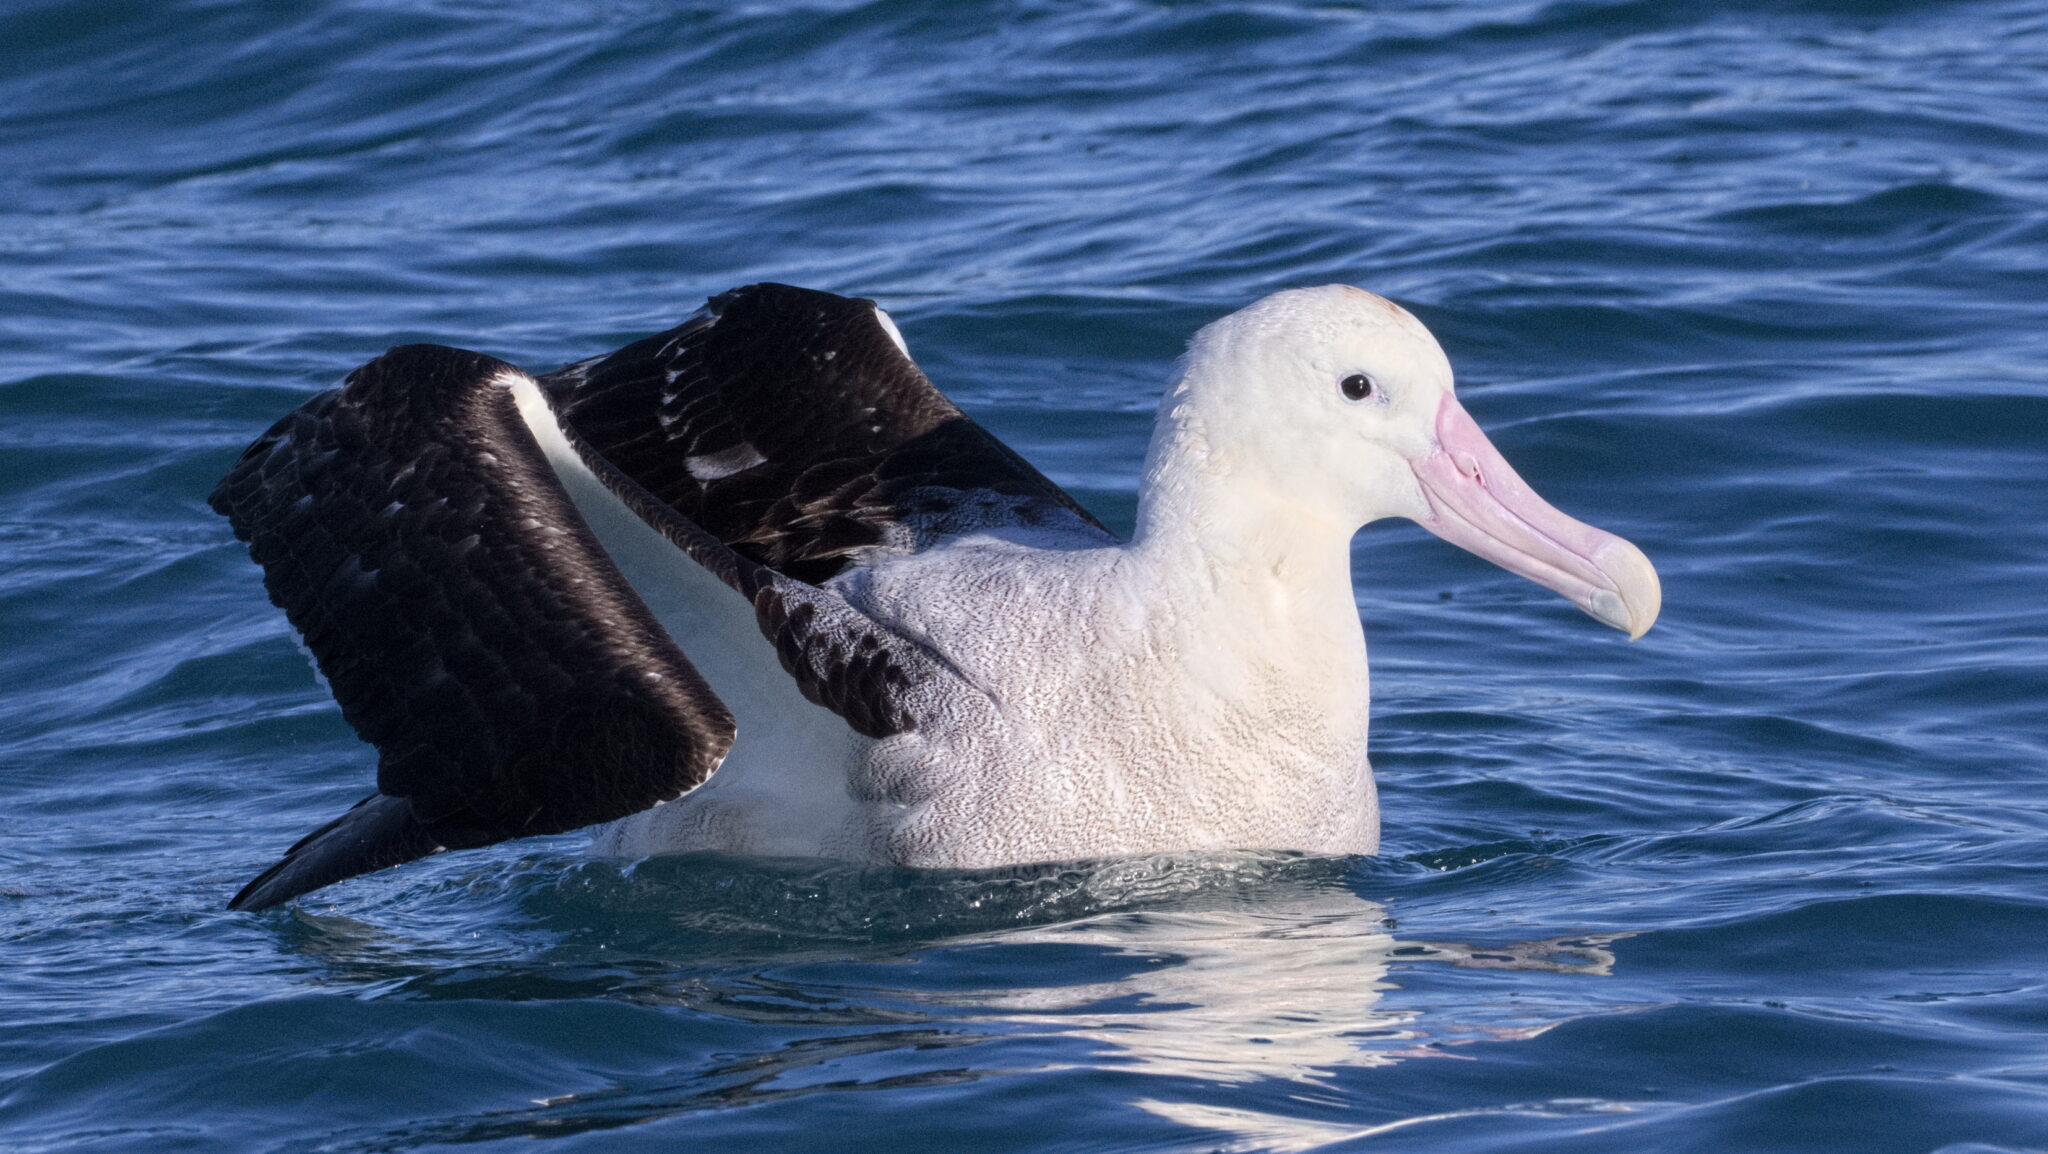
1760 285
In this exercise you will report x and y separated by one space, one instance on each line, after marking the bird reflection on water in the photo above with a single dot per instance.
1211 970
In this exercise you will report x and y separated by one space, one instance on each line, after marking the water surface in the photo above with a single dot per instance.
1758 285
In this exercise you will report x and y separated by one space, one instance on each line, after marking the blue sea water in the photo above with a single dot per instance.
1761 285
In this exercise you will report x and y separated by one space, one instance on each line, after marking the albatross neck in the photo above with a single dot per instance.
1239 553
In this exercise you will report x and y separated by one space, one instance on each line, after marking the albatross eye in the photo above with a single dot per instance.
1357 386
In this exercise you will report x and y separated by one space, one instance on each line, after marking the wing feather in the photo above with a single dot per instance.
468 622
792 426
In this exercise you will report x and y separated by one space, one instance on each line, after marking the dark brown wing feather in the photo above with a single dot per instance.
469 624
789 425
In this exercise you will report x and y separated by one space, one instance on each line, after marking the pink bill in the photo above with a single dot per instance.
1478 503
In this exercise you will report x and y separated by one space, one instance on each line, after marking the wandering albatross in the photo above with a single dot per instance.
754 585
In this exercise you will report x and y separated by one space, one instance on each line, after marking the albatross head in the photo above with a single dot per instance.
1341 403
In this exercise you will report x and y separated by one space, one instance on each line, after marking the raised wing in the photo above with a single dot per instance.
793 426
476 632
468 623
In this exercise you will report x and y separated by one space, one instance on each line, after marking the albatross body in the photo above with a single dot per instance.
754 585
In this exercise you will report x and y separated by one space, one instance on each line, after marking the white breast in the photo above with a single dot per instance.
1120 716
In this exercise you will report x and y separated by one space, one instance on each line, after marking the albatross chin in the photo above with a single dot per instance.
754 585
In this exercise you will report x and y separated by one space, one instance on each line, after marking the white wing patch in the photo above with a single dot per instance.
724 463
895 334
779 791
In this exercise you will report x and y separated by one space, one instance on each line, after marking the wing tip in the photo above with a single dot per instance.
379 832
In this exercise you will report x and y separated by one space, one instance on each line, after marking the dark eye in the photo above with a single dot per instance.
1357 386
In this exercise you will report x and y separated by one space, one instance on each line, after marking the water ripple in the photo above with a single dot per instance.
1757 285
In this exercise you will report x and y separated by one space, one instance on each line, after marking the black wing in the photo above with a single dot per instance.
469 624
791 426
476 633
